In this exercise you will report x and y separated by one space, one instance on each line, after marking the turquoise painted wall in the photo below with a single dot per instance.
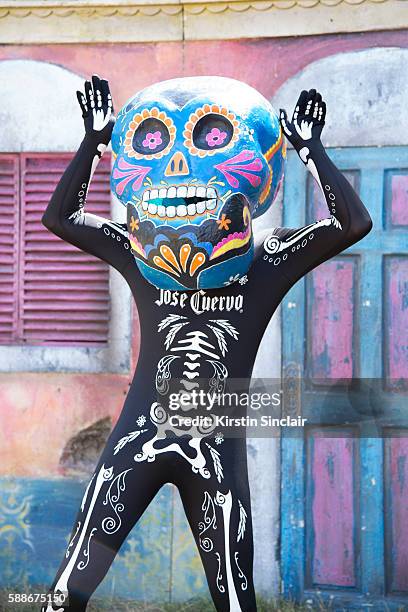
158 561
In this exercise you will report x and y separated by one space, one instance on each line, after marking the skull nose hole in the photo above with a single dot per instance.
177 165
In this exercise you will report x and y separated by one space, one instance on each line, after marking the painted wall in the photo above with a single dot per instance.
41 413
263 63
130 67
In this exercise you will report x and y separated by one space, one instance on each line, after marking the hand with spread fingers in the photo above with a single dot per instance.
307 121
97 109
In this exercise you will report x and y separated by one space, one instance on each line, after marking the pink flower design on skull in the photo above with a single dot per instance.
215 137
152 140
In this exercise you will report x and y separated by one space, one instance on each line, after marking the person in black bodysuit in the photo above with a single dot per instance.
215 332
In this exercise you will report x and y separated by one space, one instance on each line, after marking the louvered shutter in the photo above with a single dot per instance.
64 292
9 247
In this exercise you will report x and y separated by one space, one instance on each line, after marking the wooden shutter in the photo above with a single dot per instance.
9 230
64 295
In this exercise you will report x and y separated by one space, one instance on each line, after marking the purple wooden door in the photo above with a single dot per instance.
345 365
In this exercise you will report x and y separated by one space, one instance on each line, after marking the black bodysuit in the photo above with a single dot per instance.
187 336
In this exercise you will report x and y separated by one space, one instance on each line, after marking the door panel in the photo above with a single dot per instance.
396 321
331 322
331 543
344 494
396 511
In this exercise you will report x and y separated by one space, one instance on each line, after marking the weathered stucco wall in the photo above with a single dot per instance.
130 67
42 412
373 83
263 63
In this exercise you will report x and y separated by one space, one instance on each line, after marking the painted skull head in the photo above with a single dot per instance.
196 159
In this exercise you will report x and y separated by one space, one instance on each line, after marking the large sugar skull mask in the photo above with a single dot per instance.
196 159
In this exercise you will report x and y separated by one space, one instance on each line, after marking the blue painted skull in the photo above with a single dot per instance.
196 159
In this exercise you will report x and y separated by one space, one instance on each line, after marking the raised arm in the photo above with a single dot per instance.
65 215
300 250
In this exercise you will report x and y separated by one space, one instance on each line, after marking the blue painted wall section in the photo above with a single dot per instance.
157 562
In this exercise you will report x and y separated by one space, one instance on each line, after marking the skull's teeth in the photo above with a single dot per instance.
182 192
181 210
207 202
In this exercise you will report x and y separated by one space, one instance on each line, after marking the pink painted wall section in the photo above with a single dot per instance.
398 472
332 511
397 321
130 67
330 321
399 199
41 412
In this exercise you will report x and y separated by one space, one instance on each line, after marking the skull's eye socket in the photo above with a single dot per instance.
151 136
212 132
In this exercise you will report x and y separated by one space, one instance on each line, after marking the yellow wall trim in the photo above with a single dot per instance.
84 21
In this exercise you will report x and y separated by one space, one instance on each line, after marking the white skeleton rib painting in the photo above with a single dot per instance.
192 348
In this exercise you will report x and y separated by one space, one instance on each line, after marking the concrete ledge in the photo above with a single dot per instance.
269 19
